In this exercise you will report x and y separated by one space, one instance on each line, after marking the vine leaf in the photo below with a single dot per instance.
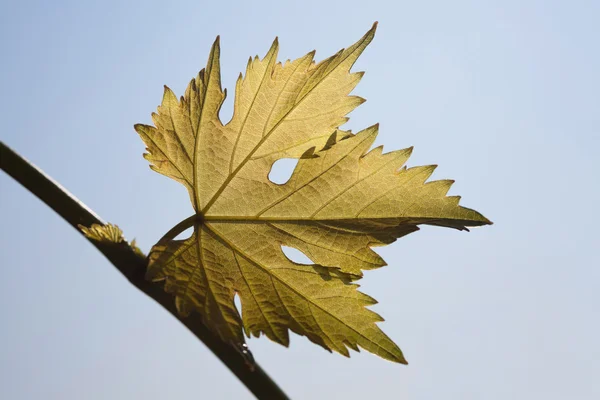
340 201
109 234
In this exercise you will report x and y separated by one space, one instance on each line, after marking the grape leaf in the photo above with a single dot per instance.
340 201
109 234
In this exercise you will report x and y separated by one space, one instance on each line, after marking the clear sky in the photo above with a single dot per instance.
503 95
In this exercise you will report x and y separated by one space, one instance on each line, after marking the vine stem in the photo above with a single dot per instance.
133 267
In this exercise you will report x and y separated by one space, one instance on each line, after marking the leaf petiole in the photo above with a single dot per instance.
180 228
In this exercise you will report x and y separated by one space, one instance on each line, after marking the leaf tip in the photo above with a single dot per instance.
360 100
486 221
167 92
398 356
215 53
371 33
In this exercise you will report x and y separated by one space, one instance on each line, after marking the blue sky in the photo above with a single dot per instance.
503 95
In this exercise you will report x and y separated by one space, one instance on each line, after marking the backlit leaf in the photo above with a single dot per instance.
342 199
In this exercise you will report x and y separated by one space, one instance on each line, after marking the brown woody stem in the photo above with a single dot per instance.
133 267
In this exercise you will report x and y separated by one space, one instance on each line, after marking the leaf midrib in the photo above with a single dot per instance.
403 219
201 118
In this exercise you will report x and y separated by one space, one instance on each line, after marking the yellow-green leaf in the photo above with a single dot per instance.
341 200
109 233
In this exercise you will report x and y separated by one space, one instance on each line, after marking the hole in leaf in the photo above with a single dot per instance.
281 170
185 234
296 256
226 111
238 303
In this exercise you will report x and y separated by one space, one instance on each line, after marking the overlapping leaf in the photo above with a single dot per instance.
341 200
